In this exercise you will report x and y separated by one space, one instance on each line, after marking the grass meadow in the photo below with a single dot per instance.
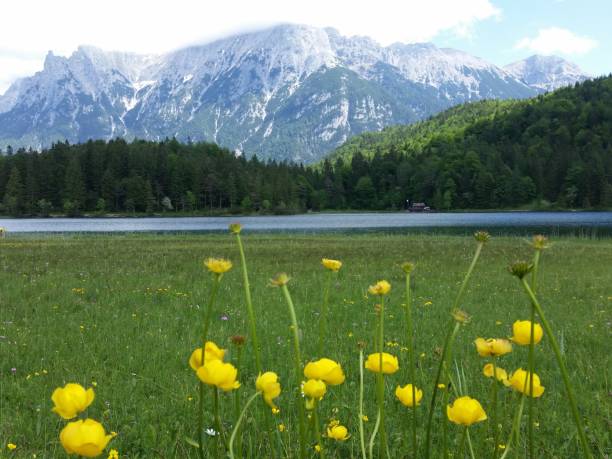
123 313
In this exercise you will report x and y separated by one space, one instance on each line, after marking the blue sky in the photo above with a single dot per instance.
495 38
501 31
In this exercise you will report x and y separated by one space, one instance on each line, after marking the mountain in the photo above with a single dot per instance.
289 92
546 73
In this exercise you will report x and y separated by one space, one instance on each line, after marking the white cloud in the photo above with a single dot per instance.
32 27
557 40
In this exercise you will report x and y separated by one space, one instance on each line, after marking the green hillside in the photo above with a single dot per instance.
413 137
555 148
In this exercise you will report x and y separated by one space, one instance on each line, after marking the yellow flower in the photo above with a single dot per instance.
217 373
71 399
364 418
218 265
113 454
326 370
404 395
314 389
492 347
520 381
389 363
501 375
235 228
281 427
441 386
332 265
521 330
317 448
213 352
280 280
86 438
380 288
10 446
465 411
338 432
269 386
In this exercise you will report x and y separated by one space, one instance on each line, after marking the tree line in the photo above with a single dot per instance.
554 150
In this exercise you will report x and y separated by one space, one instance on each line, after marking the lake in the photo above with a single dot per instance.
588 223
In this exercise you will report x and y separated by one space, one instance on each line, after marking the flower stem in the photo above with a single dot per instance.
515 431
205 326
317 428
562 368
411 363
380 378
469 441
494 409
237 400
450 336
531 358
361 427
249 303
298 369
218 425
323 315
238 422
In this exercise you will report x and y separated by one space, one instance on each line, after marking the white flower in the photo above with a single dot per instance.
211 432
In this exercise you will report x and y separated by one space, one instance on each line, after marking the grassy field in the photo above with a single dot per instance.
123 313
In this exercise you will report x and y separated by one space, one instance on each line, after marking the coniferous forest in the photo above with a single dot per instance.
553 150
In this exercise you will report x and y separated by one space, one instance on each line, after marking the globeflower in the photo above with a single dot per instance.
213 352
465 411
389 363
501 374
219 374
338 432
521 330
218 265
520 381
404 395
85 438
332 265
267 383
492 347
380 288
71 399
314 389
326 370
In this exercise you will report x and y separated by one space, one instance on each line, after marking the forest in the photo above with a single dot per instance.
553 151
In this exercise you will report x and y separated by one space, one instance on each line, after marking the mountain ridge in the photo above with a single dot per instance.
290 92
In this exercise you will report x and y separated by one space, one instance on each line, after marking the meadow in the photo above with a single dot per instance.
123 313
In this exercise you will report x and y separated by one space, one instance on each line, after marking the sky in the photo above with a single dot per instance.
500 31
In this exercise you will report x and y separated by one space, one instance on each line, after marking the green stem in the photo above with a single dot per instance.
411 363
237 400
361 427
531 359
515 431
238 422
249 302
206 324
461 445
452 331
562 368
380 377
323 315
373 437
317 428
469 441
298 369
494 410
218 426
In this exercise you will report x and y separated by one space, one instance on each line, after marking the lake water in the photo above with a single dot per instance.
590 223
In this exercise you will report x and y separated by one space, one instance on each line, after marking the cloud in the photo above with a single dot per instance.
557 40
32 27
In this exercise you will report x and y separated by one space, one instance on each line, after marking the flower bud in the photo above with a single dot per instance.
280 280
540 242
482 236
235 228
520 269
408 267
